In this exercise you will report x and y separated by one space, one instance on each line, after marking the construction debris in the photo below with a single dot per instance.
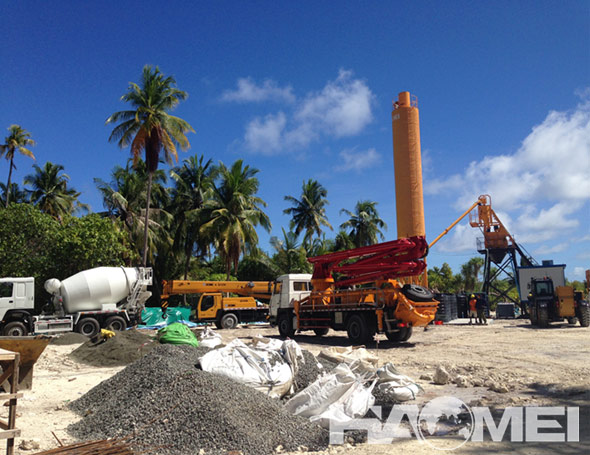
102 447
163 400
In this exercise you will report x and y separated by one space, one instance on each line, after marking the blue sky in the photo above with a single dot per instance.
304 89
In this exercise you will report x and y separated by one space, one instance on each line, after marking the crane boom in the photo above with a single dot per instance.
257 289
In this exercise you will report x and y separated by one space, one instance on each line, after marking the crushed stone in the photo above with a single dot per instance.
308 371
122 349
180 409
69 338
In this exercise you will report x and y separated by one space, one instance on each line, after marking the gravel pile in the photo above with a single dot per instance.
68 338
327 364
181 409
122 349
308 372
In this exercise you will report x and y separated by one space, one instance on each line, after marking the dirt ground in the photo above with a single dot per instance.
504 364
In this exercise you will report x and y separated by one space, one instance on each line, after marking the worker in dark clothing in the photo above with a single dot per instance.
480 305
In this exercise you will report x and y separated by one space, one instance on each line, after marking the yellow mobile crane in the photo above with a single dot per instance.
213 306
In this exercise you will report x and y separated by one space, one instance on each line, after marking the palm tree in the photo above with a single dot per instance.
125 195
365 224
290 256
343 241
50 191
309 213
16 194
17 141
470 273
193 185
234 212
150 128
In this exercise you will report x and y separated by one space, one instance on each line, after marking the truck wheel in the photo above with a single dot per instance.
229 321
218 325
543 317
321 332
403 334
417 293
285 324
14 329
116 323
88 327
358 329
584 316
572 321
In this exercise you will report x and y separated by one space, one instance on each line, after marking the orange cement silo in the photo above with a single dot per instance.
408 167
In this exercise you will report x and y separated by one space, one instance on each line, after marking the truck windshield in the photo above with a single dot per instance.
301 286
5 290
543 288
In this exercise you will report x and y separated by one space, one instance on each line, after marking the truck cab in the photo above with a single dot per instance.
287 290
228 312
17 302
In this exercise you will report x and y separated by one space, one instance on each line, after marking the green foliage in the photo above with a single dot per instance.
443 280
470 274
257 268
149 127
364 224
17 141
290 256
50 191
233 213
309 213
35 244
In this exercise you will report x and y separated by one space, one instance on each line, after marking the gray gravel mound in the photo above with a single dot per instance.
122 349
68 339
327 364
308 372
181 409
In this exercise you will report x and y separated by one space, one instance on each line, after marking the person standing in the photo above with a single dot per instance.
472 308
480 306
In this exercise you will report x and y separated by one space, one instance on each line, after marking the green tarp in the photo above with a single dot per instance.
177 333
153 315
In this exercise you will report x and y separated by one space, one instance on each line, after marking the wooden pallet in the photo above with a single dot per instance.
9 361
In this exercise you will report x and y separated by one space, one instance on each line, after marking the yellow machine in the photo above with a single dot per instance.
224 311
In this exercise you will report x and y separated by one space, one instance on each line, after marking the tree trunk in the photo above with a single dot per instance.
8 184
147 219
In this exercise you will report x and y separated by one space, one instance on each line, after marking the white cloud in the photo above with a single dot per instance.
542 225
266 135
248 91
353 160
579 273
546 249
544 184
342 108
463 238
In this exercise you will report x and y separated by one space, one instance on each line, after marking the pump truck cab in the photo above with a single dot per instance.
103 297
554 304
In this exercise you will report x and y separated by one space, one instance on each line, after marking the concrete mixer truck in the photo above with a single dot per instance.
103 297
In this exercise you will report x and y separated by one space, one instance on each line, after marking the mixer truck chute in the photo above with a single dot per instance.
103 297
